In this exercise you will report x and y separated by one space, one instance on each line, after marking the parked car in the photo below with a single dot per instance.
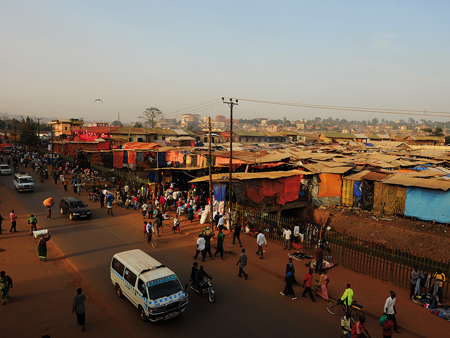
5 169
74 208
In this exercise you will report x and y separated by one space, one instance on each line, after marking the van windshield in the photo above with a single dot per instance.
164 287
26 180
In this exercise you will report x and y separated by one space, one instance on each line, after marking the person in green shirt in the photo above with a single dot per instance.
32 221
347 297
220 238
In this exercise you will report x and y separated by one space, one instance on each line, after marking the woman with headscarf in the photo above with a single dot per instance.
42 246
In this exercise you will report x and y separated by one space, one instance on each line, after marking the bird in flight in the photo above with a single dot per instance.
98 100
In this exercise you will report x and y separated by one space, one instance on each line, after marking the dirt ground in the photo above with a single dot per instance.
419 237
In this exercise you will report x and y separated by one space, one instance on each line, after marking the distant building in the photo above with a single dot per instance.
220 118
66 127
100 124
300 126
273 128
190 118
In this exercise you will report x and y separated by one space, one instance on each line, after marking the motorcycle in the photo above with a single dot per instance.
205 288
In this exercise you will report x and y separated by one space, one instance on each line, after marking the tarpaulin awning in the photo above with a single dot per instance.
330 185
428 204
140 145
118 159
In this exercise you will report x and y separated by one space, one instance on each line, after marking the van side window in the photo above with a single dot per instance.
119 267
130 277
141 287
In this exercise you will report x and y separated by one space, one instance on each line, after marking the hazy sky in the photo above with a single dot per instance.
57 57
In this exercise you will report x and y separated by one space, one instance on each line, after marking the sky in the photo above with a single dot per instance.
57 57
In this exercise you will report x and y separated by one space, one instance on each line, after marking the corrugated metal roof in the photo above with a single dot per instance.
251 176
428 183
358 176
373 176
339 135
337 170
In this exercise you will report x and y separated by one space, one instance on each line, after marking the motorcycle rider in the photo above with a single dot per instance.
199 275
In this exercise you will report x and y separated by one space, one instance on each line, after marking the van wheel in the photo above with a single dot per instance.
118 291
142 314
62 211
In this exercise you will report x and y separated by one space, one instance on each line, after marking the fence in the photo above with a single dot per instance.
374 259
271 224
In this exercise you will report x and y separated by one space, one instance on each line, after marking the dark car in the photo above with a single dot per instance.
75 208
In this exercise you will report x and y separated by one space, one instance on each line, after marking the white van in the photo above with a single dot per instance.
154 289
23 182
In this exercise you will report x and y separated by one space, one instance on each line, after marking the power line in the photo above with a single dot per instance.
188 108
210 106
356 109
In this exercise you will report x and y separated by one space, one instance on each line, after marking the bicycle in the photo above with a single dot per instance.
334 307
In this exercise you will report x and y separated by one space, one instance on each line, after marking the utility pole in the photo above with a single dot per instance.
51 137
15 138
210 174
230 104
39 138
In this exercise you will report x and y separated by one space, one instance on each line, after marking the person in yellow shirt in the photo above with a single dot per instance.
347 297
439 279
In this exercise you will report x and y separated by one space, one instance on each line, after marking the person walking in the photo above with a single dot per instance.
237 233
65 184
389 309
13 218
109 203
79 308
5 284
323 285
190 212
287 239
208 236
32 221
288 290
48 203
176 224
346 325
439 279
388 327
1 221
319 259
242 263
219 249
144 207
290 266
42 246
150 230
414 277
102 199
307 283
200 247
260 241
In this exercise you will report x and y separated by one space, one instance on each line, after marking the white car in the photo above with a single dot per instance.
5 169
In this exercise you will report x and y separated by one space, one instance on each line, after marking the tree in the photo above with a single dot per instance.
436 132
151 114
447 140
28 132
374 121
138 125
116 123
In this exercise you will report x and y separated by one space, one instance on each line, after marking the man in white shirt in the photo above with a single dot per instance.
288 239
260 240
126 188
200 247
149 229
389 309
